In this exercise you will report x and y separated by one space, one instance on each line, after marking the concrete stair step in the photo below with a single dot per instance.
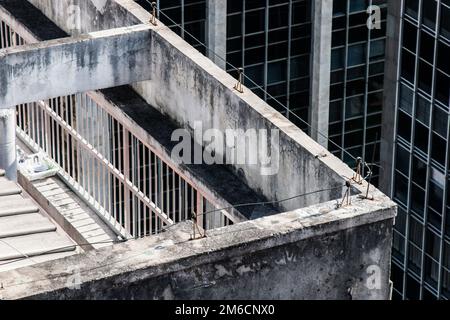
8 187
24 224
16 204
34 245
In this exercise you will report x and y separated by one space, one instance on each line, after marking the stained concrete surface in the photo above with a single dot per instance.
318 252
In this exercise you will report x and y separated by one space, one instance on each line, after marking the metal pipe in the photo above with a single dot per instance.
8 160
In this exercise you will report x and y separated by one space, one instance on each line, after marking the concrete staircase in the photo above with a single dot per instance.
26 236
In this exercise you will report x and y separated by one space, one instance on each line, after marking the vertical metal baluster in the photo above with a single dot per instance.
167 192
174 190
73 121
66 100
139 213
1 35
126 172
200 217
114 165
144 178
161 185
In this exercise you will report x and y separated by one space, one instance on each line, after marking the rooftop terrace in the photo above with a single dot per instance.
102 97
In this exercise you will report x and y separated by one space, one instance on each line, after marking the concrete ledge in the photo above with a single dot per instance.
278 256
97 60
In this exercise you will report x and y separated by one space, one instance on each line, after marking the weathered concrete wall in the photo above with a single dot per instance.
390 95
82 16
313 253
71 65
190 88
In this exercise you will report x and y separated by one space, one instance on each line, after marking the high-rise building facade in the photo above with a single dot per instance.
415 151
271 40
318 58
356 80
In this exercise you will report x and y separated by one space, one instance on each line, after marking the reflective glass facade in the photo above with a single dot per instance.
356 81
420 177
271 40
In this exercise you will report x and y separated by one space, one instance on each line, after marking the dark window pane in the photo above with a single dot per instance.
358 5
255 55
400 220
406 98
299 66
429 13
426 46
434 218
253 4
301 12
409 36
339 7
431 276
336 111
354 106
408 66
376 68
278 16
376 50
234 25
445 22
443 60
440 121
412 8
338 38
356 87
254 21
404 126
358 34
278 51
398 246
423 107
300 46
256 73
357 19
418 200
234 6
337 58
402 160
438 149
255 40
194 12
414 263
356 54
442 88
337 76
425 76
276 71
401 188
432 245
274 36
419 170
415 232
421 137
374 102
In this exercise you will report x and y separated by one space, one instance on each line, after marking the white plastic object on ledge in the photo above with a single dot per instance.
35 166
